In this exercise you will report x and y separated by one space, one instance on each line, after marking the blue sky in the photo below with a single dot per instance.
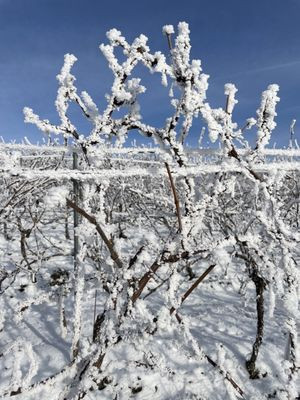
251 43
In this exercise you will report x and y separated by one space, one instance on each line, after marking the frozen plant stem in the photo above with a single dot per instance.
193 287
176 201
75 212
259 289
260 285
114 255
169 41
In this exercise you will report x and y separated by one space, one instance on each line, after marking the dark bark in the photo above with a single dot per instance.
259 288
97 326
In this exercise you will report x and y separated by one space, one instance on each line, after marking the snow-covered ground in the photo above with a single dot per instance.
199 355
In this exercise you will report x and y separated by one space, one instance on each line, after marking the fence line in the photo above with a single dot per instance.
66 174
286 152
201 161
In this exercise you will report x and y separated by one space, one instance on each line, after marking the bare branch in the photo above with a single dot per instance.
176 201
114 255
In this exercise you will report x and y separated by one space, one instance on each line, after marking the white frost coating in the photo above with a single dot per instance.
25 305
108 53
160 62
196 67
221 355
230 91
212 118
292 126
2 320
43 125
141 40
181 51
66 91
168 29
174 284
30 117
291 326
164 80
78 304
266 114
250 122
65 78
90 105
291 301
134 86
292 132
56 196
16 376
272 302
183 29
33 369
122 95
221 257
62 315
113 35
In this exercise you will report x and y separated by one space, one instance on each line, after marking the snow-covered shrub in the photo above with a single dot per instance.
184 282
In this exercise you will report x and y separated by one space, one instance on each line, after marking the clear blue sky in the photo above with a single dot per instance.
251 43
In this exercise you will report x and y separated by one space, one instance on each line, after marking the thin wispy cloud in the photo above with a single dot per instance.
272 67
267 68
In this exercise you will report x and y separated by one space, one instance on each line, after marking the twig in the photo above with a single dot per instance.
114 255
226 374
227 105
144 280
176 201
95 309
194 285
152 270
169 41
